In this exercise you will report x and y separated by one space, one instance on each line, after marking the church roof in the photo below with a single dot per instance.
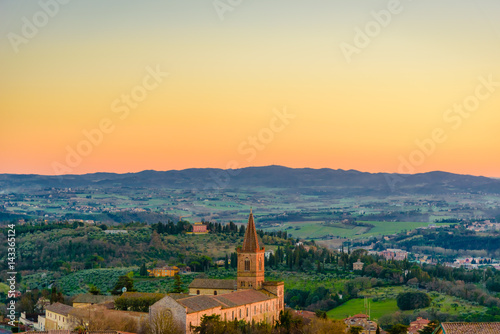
206 283
199 303
242 297
251 241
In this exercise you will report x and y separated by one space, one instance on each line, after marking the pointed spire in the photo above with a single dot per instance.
250 243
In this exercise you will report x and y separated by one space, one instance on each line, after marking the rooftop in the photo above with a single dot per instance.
470 327
89 298
206 283
59 308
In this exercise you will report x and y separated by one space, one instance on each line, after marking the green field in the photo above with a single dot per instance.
356 306
386 303
318 229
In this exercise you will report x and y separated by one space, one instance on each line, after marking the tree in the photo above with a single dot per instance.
430 328
162 322
123 282
143 271
94 290
177 285
413 300
355 329
398 329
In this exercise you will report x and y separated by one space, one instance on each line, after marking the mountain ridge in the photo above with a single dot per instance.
335 181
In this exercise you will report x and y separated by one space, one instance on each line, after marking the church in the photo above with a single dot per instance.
250 297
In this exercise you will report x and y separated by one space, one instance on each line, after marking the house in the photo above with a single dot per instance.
362 320
166 271
417 325
468 328
250 297
57 316
358 265
88 299
199 228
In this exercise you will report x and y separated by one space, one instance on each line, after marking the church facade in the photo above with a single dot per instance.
248 298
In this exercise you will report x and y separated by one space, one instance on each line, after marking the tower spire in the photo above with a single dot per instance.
250 242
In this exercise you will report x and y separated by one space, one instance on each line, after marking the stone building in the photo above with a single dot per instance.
248 298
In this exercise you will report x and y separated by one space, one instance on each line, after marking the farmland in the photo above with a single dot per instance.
383 302
321 229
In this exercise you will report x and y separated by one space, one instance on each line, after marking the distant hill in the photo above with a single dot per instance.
300 180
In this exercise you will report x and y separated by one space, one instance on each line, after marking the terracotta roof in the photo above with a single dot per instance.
242 297
470 327
59 308
89 298
420 321
204 302
251 242
199 303
207 283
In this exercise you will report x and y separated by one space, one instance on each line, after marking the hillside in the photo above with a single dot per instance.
328 181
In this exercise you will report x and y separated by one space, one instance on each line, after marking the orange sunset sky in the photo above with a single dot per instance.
124 86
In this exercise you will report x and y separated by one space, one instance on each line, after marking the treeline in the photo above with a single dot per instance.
220 228
287 323
455 241
38 227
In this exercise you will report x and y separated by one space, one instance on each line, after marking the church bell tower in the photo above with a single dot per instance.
250 259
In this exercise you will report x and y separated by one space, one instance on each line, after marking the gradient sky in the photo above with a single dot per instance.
227 80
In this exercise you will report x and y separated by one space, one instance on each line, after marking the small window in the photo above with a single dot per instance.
215 293
232 316
197 292
240 313
247 311
242 284
247 265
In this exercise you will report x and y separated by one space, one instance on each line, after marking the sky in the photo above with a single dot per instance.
125 86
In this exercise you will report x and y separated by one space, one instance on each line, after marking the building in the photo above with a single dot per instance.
358 265
362 320
417 325
57 316
166 271
250 297
394 254
468 328
201 286
199 228
88 299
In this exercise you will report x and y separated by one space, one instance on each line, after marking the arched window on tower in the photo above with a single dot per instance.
260 264
247 265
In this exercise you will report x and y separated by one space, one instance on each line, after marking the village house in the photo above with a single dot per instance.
166 271
358 265
248 298
199 228
394 254
362 320
57 316
417 325
88 299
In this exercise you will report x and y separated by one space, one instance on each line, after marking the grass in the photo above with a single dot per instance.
356 306
318 229
386 304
